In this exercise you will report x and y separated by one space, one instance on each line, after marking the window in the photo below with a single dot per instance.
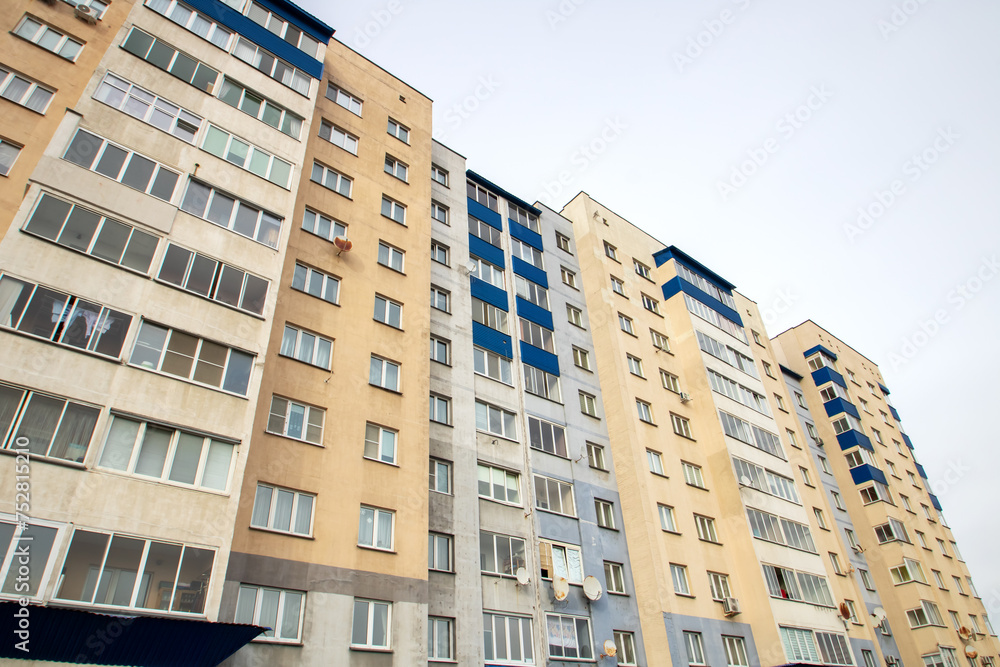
617 286
610 251
866 579
481 195
864 406
909 571
128 168
523 217
344 99
754 436
547 437
245 155
682 426
885 417
569 637
800 586
440 299
706 528
614 579
164 453
497 421
975 624
54 427
296 420
278 610
692 475
806 477
561 560
375 528
820 518
306 346
838 501
440 476
487 272
625 642
727 354
852 539
191 358
736 651
588 404
581 358
523 251
197 23
574 315
634 365
318 284
283 510
276 68
283 29
331 179
236 215
531 292
372 623
182 573
214 280
562 242
322 226
655 460
440 350
342 138
380 443
485 232
263 109
670 381
553 495
972 588
440 409
499 484
439 638
399 131
439 552
641 269
939 580
383 373
595 456
892 469
645 411
835 562
767 369
439 252
605 513
660 341
48 38
439 212
393 210
824 465
926 614
500 554
492 365
162 55
390 256
921 539
954 547
679 575
489 315
693 646
875 493
719 585
958 585
439 175
389 312
667 522
540 383
568 277
625 323
651 304
24 91
508 639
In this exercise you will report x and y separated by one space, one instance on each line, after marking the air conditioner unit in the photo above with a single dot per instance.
685 397
731 606
85 14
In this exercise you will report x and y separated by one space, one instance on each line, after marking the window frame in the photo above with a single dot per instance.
294 510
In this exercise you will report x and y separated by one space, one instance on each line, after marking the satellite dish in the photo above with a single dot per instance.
879 613
522 576
592 588
343 244
610 649
845 611
745 481
560 587
971 653
964 632
471 266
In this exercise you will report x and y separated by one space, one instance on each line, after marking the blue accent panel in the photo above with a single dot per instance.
494 296
885 390
852 438
539 358
480 212
868 473
262 37
715 653
920 469
522 233
819 348
529 271
490 185
661 257
935 502
838 405
827 374
304 20
906 439
492 340
895 415
678 284
533 313
484 250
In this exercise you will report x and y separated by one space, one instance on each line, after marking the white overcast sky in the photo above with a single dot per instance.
834 99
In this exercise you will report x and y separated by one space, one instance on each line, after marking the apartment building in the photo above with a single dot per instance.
930 603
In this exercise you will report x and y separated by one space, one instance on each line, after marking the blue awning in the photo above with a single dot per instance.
84 637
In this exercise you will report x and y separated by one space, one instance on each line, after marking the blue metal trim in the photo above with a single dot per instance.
678 284
819 348
529 271
489 185
935 502
661 257
487 215
852 438
920 469
539 358
868 473
789 372
533 313
895 415
885 390
826 374
907 440
484 250
492 340
492 295
838 405
522 233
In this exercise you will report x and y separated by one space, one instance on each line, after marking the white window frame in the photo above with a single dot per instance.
436 625
437 404
338 137
439 175
305 277
27 96
286 606
331 179
381 443
370 639
391 312
314 223
605 513
41 29
299 335
398 130
439 473
377 516
391 257
510 483
440 350
668 521
678 574
298 500
393 210
344 99
307 415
